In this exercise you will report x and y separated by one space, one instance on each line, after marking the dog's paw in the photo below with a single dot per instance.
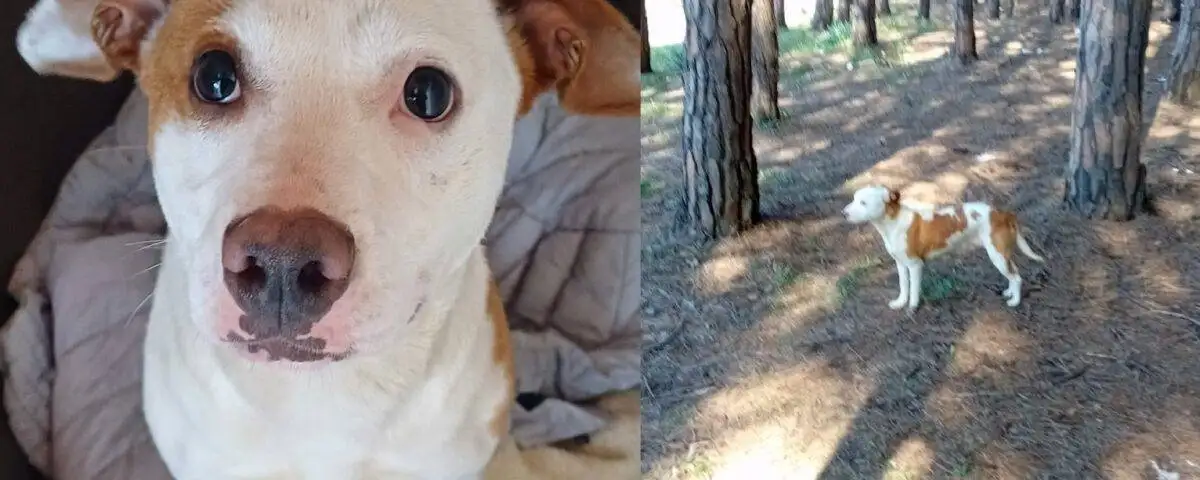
898 303
1014 301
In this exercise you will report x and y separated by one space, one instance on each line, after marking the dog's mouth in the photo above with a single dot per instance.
300 350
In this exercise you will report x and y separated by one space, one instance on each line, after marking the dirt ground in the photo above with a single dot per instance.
774 355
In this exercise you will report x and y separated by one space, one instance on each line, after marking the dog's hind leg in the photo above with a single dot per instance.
1007 268
914 284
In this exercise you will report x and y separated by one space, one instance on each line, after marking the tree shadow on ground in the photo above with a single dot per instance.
1082 380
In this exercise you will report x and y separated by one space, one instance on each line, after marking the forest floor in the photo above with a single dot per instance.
773 355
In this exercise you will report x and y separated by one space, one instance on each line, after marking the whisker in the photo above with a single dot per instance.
147 269
138 308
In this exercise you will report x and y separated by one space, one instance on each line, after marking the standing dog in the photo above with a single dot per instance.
914 233
327 171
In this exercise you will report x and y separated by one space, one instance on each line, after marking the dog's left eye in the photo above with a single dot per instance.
429 94
214 77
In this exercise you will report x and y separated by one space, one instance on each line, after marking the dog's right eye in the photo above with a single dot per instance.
214 77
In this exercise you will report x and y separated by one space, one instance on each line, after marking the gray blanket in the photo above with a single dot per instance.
564 245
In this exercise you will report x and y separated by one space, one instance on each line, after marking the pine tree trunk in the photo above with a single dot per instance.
993 8
923 9
764 61
1073 7
1105 176
865 34
885 7
843 10
779 16
822 15
720 170
645 42
964 31
1184 73
1058 11
1011 8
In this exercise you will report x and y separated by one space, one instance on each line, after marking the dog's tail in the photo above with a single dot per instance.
1024 247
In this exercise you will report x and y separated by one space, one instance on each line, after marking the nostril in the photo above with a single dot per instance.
312 278
252 276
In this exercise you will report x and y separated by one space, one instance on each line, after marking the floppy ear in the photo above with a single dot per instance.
87 39
583 49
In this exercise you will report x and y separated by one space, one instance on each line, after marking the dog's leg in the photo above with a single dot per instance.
1007 268
914 284
902 299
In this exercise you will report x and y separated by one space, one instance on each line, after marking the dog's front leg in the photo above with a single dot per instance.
914 284
902 299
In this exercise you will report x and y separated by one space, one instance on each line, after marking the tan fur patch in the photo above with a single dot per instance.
585 49
1004 235
929 236
892 207
502 355
188 29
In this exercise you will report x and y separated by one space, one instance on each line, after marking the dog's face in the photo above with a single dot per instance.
323 165
870 203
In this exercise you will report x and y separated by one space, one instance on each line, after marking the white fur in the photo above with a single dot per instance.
416 397
869 206
56 38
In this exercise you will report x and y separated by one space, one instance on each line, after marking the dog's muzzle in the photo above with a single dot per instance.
285 269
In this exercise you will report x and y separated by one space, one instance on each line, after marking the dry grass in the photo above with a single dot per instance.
773 355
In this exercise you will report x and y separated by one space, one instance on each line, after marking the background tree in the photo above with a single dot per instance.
964 31
923 9
779 16
885 7
1058 11
1011 7
1073 7
764 61
843 10
822 15
1183 77
1105 177
720 170
993 8
865 33
645 42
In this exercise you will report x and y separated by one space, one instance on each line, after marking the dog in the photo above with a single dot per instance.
327 171
914 233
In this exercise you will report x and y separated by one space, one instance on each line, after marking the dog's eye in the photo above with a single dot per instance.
214 77
429 94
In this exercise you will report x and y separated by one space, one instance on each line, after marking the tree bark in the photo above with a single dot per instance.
993 8
1105 177
923 9
646 68
865 34
822 15
720 170
1058 11
1183 84
1173 9
885 7
764 61
779 16
843 10
964 31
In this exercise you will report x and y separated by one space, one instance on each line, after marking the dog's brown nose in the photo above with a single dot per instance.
286 268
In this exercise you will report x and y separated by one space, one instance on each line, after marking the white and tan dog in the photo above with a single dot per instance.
327 171
914 233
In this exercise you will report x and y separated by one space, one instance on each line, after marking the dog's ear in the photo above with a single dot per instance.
58 37
585 50
120 27
893 196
